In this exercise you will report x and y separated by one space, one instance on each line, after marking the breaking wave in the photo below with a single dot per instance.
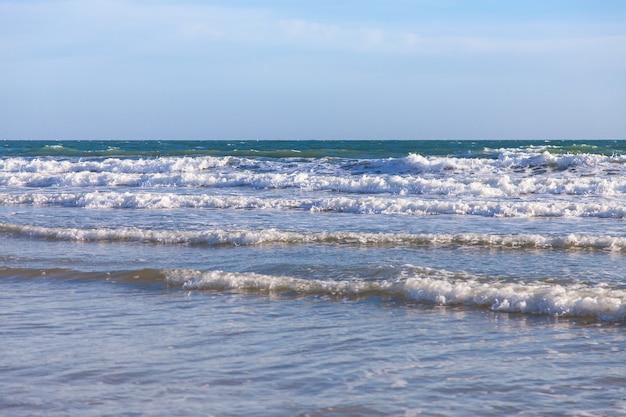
392 205
511 174
432 287
414 285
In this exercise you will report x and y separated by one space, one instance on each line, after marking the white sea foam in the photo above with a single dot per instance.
528 160
497 185
273 236
441 288
114 165
386 205
511 175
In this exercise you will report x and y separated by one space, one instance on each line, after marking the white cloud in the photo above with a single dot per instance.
132 25
299 29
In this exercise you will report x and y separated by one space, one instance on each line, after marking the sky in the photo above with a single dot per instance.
313 69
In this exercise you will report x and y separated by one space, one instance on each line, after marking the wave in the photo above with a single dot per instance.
384 205
511 174
432 287
528 161
497 185
413 285
273 236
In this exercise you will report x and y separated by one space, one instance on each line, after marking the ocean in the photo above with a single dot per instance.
313 278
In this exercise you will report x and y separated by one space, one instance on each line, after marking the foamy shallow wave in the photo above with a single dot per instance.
273 236
389 205
573 300
419 285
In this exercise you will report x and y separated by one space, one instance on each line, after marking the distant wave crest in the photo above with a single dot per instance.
511 174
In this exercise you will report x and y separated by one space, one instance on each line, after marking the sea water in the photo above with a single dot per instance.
313 278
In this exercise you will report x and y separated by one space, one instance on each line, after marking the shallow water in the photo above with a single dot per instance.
102 348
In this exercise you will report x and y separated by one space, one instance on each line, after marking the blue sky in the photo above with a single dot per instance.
324 69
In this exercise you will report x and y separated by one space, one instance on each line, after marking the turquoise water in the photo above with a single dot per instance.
312 278
298 148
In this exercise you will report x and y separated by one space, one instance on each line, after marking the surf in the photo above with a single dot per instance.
217 237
